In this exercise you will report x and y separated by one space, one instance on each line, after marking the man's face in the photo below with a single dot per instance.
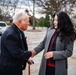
24 24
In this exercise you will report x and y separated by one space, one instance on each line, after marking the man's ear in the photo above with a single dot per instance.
19 21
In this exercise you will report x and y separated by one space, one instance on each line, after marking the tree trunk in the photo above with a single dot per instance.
33 14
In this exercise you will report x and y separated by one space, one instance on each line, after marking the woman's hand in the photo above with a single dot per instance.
48 55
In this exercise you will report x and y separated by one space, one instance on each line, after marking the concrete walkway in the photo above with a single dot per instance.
33 39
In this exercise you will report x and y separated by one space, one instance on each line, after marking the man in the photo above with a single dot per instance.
14 50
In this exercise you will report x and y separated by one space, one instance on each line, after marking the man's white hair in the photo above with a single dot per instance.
19 16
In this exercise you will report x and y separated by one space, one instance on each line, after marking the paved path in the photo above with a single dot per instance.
33 39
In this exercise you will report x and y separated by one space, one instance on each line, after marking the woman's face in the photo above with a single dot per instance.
56 22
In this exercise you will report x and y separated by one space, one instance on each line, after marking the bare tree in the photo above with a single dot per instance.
8 6
52 6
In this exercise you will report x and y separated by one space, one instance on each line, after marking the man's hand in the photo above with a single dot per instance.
30 61
48 55
33 53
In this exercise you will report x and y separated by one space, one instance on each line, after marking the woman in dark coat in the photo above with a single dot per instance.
57 46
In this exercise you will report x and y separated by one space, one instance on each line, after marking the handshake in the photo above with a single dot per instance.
30 61
33 53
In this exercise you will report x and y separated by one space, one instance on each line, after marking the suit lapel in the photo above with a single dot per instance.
24 42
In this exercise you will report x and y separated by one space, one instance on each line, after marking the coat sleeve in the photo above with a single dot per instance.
62 54
12 45
41 46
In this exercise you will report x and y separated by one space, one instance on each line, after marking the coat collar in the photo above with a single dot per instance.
49 35
16 29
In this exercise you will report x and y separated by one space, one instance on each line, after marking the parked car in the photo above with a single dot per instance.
3 27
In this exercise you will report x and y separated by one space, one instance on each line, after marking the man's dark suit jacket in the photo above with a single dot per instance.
14 51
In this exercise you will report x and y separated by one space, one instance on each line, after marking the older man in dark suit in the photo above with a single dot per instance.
14 49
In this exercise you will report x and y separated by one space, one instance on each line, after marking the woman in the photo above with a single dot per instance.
57 45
